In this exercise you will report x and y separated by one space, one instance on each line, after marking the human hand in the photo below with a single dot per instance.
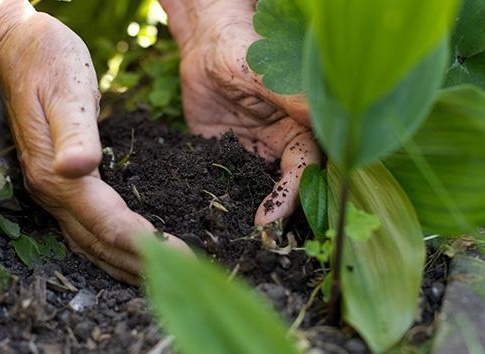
220 93
51 96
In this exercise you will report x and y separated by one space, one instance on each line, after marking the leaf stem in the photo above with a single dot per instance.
334 311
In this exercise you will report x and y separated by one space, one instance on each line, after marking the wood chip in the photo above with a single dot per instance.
54 285
65 282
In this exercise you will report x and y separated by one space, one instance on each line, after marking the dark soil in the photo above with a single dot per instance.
204 191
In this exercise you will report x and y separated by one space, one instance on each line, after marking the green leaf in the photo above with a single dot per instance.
206 312
50 247
313 198
126 80
381 277
27 249
160 67
6 189
278 56
468 37
354 141
312 248
442 169
9 228
367 47
467 71
160 98
360 225
468 46
4 279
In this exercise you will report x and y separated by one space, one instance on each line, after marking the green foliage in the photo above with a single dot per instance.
149 78
468 46
373 71
360 225
442 168
101 24
9 228
278 56
31 251
368 47
321 250
381 275
6 189
467 71
207 313
353 140
313 198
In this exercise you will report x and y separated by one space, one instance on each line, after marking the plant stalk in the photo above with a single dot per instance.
334 305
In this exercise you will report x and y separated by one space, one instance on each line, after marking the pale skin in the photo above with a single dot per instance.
50 92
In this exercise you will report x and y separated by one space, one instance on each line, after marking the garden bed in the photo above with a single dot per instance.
204 191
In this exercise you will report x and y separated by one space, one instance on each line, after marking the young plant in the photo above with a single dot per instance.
29 250
399 147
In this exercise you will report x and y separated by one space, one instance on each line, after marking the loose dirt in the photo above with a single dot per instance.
204 191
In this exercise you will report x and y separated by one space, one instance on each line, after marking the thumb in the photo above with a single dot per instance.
72 110
283 200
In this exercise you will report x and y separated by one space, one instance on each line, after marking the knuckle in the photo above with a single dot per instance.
101 252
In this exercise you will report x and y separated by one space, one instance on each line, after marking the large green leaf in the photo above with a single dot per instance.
468 46
353 141
381 276
468 37
443 168
206 312
368 46
313 198
467 71
279 55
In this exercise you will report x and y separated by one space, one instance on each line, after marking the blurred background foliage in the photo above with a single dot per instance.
135 57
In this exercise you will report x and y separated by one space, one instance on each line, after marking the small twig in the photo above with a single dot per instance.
136 193
234 272
216 202
223 168
65 282
126 158
161 346
132 143
211 235
7 150
301 315
159 218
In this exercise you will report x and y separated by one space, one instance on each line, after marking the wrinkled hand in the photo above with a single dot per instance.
50 91
220 93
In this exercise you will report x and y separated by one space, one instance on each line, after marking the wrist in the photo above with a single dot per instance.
184 17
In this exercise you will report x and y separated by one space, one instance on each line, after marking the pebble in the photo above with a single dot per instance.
356 345
276 293
437 290
82 330
316 351
82 300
